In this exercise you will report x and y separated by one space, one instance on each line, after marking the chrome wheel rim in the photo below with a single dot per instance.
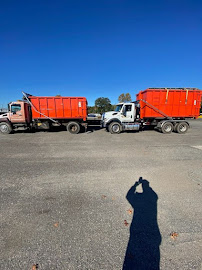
4 128
183 128
115 128
73 128
168 128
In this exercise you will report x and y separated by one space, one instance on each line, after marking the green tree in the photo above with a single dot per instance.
113 107
124 97
102 104
92 109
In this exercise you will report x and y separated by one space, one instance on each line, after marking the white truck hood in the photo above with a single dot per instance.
111 114
4 115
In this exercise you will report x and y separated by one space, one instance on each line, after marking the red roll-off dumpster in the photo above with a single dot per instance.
171 102
59 107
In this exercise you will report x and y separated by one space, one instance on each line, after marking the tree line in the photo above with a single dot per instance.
103 104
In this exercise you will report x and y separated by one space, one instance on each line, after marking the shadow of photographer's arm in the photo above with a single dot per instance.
131 193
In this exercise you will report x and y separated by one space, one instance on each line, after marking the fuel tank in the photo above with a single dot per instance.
131 126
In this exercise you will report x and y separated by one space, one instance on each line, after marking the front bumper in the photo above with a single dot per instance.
103 124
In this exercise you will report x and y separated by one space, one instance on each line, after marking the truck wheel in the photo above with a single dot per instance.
5 128
175 127
115 128
73 127
167 128
182 127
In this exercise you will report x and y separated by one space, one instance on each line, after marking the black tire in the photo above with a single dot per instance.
73 127
167 128
175 127
115 128
83 129
5 128
182 127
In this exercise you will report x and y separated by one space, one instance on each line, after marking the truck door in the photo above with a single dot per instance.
17 114
128 113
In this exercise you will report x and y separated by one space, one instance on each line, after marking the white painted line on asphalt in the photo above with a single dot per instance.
198 147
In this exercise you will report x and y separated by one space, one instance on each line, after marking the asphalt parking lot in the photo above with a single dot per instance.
67 203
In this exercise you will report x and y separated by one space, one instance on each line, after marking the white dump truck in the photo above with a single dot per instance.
167 109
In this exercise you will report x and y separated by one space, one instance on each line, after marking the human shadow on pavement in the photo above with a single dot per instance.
143 252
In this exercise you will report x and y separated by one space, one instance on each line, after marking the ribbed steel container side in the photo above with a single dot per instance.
176 103
59 107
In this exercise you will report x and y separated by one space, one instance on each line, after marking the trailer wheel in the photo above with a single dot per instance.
73 127
167 128
115 128
182 127
175 127
5 128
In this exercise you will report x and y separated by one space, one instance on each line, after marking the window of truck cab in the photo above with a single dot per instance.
128 108
15 108
118 107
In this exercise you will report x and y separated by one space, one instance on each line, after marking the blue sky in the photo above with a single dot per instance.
96 48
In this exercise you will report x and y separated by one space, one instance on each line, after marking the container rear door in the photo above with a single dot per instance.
197 104
82 107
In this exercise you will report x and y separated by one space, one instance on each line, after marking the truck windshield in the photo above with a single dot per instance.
118 108
15 108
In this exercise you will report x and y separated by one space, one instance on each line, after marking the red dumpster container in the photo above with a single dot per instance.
169 102
59 107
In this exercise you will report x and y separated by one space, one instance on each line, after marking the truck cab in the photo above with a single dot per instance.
124 117
18 116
